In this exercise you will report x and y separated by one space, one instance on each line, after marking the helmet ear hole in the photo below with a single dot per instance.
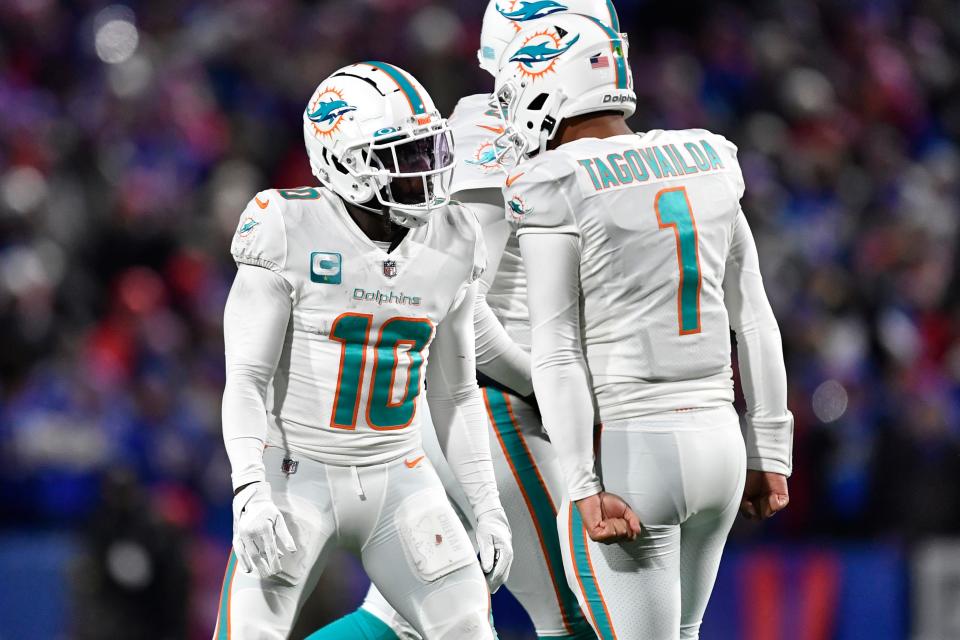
529 125
537 103
329 157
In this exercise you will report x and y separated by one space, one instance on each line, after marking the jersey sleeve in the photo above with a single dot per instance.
475 132
728 155
540 196
261 238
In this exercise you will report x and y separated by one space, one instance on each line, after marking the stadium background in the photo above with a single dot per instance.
132 136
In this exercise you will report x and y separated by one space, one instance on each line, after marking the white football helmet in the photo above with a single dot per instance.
503 19
556 68
373 135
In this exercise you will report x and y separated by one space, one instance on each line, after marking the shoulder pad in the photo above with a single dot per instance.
727 152
475 131
541 193
261 236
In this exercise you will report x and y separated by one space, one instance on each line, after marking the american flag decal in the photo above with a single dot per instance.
599 62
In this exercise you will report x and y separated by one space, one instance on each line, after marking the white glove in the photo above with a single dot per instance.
257 526
496 547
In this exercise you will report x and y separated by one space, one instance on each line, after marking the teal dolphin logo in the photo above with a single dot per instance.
247 227
487 156
518 207
330 111
532 10
542 52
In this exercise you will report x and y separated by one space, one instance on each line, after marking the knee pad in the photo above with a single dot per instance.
433 539
457 611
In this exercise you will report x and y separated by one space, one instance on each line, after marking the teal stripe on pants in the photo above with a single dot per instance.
223 618
591 591
525 467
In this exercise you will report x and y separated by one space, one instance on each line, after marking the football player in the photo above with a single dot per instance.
639 261
341 292
531 489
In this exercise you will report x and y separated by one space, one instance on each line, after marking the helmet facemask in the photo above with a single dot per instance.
410 171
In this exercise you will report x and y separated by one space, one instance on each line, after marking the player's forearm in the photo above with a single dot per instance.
769 435
498 356
552 262
457 408
244 425
566 405
254 326
462 433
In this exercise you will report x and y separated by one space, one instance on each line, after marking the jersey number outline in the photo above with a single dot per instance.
352 331
673 210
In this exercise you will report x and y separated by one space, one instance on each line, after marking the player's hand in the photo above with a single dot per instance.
496 547
608 519
764 494
258 526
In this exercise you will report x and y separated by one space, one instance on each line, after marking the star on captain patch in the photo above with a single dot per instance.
390 268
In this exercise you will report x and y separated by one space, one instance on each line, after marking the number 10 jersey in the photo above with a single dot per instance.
352 368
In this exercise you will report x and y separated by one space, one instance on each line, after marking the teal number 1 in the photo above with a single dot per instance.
673 211
352 331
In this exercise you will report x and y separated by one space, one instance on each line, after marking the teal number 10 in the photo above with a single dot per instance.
674 212
352 331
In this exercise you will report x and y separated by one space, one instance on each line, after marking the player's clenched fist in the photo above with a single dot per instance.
764 494
608 518
258 526
496 547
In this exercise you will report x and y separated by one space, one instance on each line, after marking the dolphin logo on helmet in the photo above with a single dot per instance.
532 10
540 52
328 111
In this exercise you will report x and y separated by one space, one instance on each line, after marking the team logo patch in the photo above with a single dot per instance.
539 53
327 111
325 267
518 207
390 268
247 227
530 10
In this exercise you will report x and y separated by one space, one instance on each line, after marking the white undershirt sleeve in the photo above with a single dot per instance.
254 326
769 435
457 407
560 378
498 356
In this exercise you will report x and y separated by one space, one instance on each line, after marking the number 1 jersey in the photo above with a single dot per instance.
352 368
654 214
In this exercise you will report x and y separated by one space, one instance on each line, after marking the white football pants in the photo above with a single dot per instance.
682 473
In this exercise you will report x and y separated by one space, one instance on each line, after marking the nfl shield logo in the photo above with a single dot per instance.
389 268
289 466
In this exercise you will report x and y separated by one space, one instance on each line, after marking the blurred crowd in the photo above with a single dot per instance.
131 138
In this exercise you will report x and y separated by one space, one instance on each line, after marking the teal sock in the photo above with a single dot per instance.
359 625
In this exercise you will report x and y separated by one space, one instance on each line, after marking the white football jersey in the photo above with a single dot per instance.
476 126
655 214
351 372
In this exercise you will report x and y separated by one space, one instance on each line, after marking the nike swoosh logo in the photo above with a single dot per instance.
412 463
512 179
262 205
489 128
